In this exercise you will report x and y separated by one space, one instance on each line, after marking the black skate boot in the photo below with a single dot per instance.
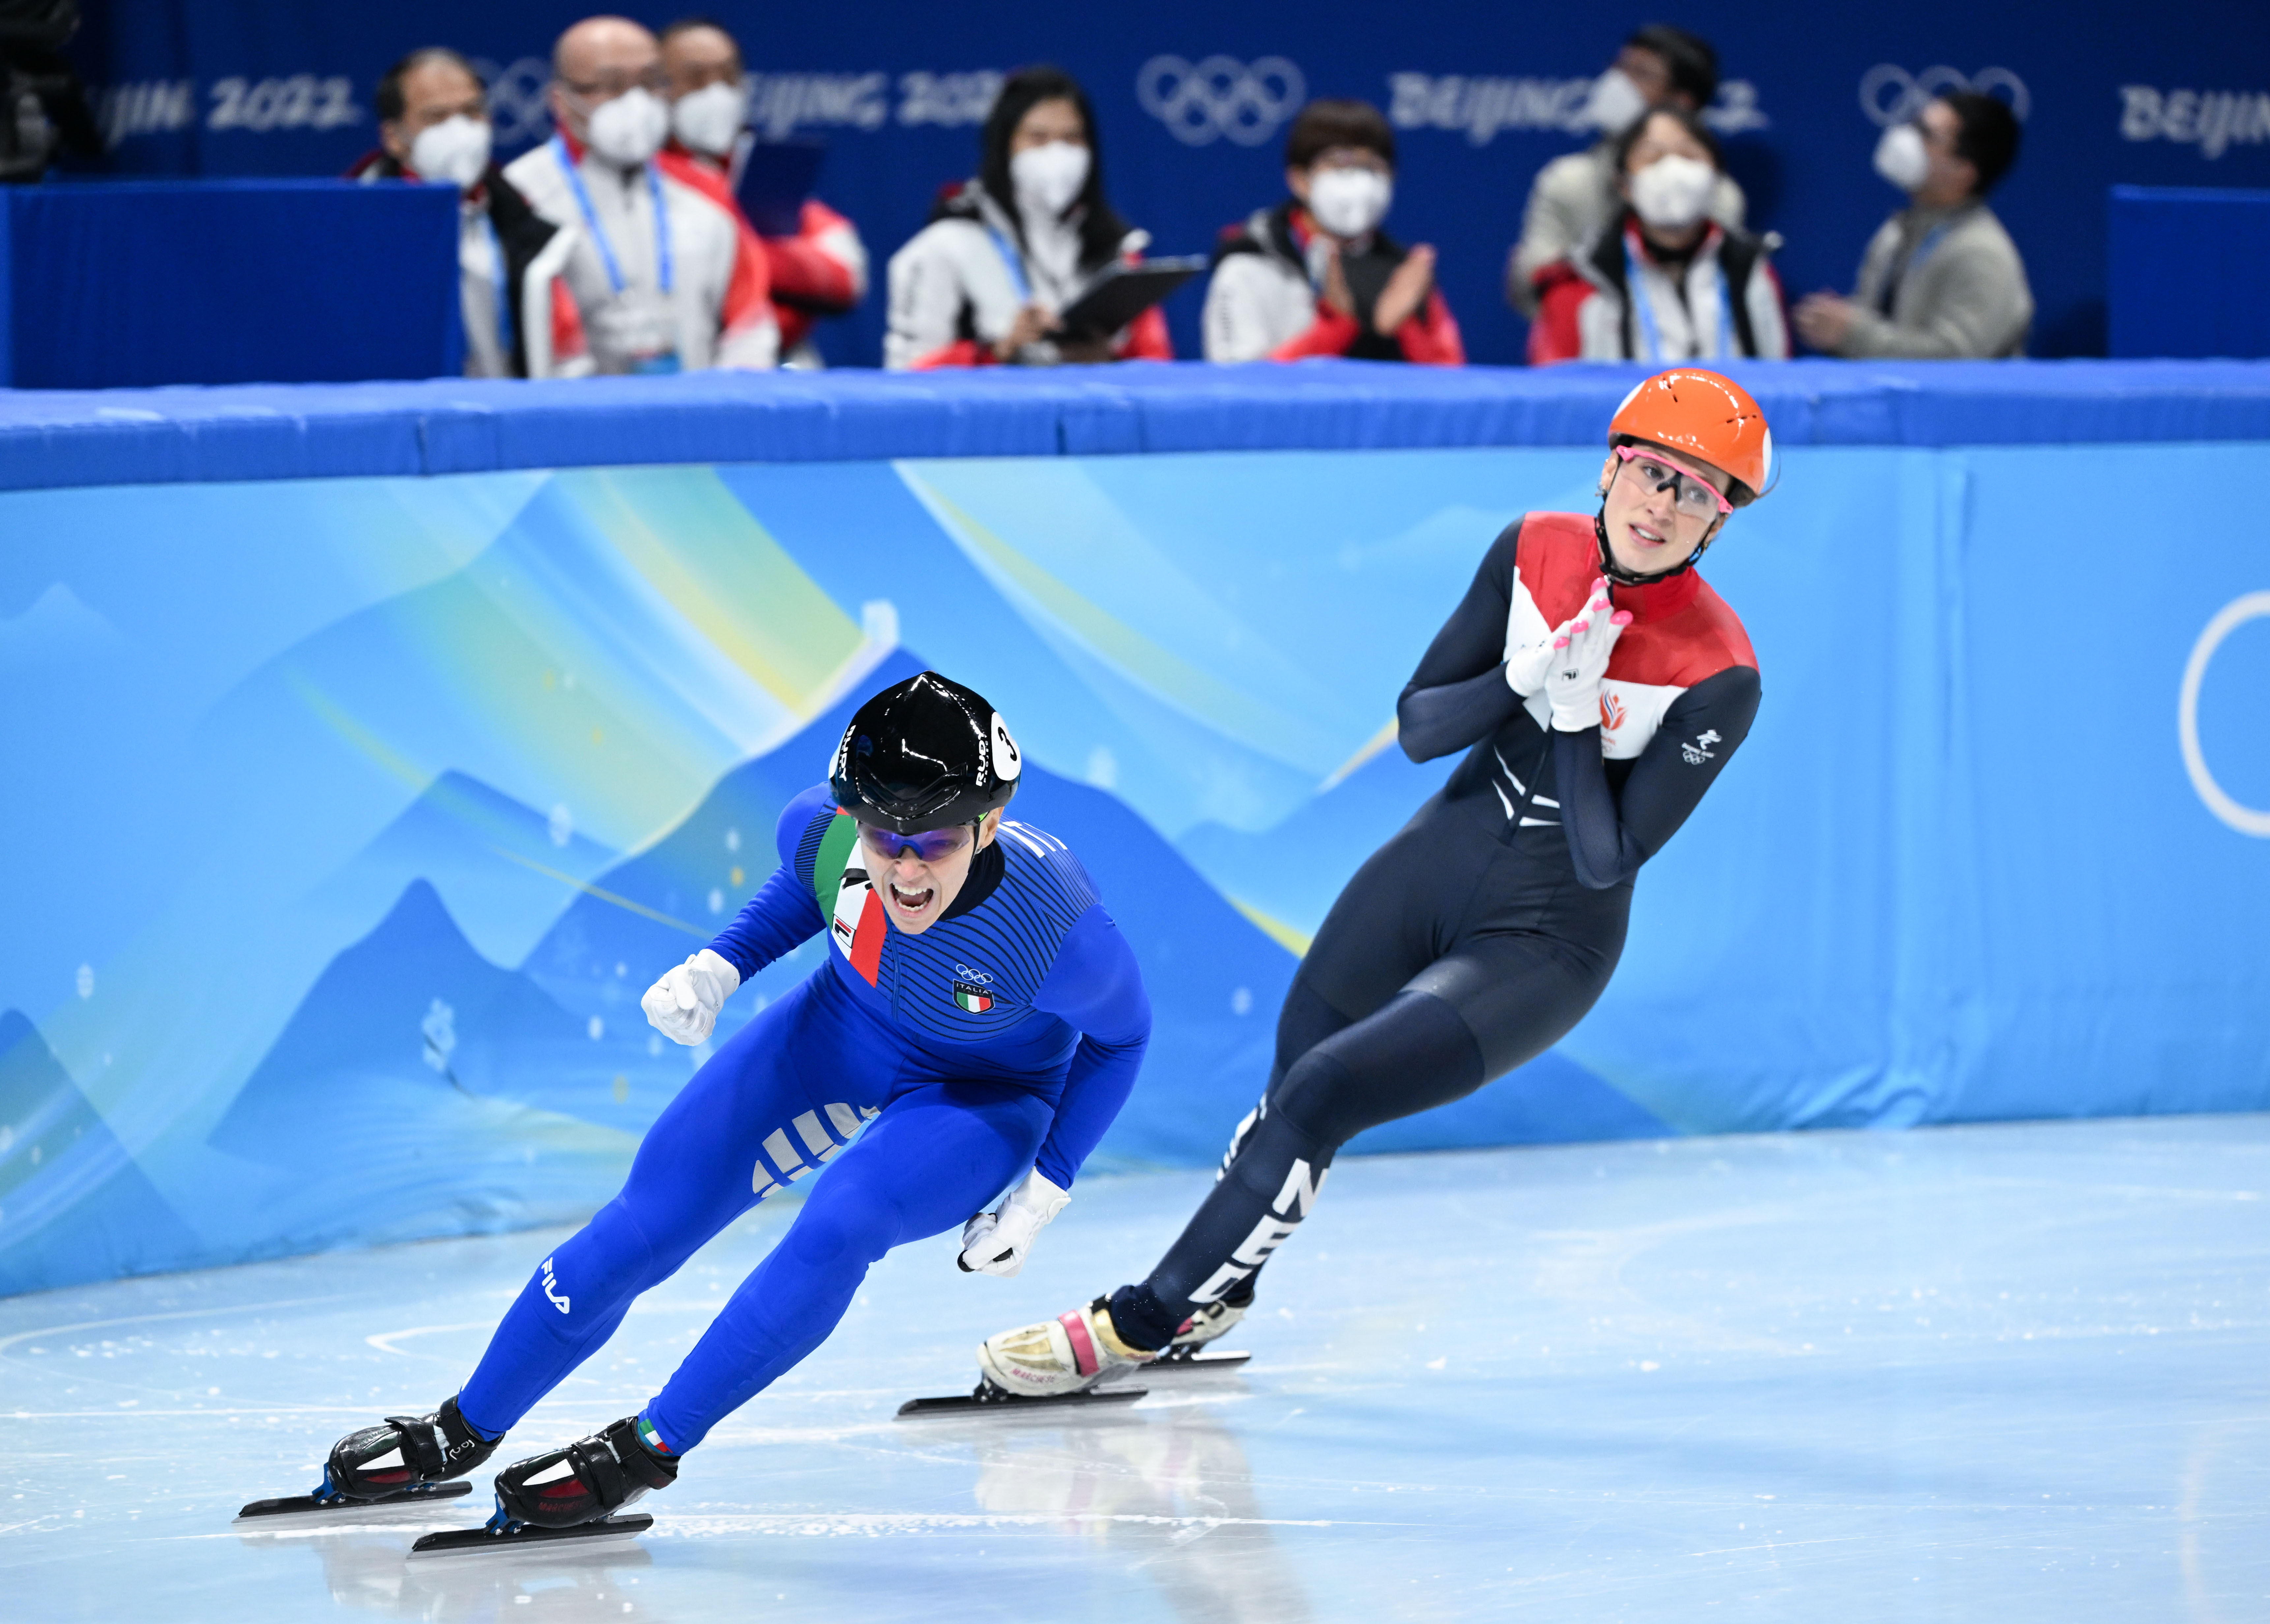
404 1460
568 1494
406 1451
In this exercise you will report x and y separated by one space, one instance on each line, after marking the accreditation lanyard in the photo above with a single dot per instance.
1643 307
503 290
1907 267
599 235
1013 263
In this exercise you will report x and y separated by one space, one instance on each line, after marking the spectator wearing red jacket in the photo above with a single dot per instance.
818 271
1315 275
1665 282
1006 251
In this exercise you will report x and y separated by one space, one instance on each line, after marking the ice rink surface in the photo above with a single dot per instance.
2008 1373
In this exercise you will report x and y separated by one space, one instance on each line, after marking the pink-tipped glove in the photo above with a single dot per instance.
996 1242
683 1005
1579 660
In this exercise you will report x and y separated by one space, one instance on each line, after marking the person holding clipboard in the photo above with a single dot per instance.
1024 264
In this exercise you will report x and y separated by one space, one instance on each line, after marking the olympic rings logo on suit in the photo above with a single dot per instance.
2238 613
1889 94
1220 96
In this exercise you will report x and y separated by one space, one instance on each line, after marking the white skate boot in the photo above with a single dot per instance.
1057 1357
1211 1320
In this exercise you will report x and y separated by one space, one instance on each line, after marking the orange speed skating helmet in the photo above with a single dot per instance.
1704 415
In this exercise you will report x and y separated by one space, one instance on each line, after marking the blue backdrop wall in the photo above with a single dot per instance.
1193 100
350 816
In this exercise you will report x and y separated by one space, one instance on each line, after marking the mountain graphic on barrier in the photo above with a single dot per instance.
417 1076
499 865
72 1203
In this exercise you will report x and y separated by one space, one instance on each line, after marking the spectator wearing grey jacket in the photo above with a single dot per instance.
1942 279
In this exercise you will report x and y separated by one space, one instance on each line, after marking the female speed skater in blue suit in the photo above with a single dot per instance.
977 1027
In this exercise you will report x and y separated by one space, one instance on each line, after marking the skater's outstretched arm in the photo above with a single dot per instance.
783 913
1459 696
1096 987
1610 834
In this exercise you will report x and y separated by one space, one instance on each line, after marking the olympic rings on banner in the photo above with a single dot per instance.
2245 819
1889 94
518 113
1220 96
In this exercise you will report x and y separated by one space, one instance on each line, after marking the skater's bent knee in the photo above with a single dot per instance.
848 1225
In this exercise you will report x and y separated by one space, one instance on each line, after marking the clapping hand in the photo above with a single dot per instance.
1579 659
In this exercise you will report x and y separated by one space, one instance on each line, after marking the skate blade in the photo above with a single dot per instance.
467 1541
1199 1358
307 1505
987 1400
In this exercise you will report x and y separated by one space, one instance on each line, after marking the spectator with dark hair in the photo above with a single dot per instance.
818 271
1942 279
1667 283
664 275
434 126
1576 198
1004 252
1315 275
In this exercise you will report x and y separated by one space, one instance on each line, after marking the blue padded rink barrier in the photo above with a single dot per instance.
383 740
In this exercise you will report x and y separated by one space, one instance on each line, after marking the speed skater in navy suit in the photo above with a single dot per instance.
1598 686
975 1029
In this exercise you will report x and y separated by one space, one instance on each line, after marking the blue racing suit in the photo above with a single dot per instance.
1006 1035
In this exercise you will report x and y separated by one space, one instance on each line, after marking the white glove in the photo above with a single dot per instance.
1526 659
997 1243
683 1005
1579 659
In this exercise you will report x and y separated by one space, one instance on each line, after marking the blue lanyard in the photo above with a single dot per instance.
1014 264
1925 250
1643 308
600 237
503 291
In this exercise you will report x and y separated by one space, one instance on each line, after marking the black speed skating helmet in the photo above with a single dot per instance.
926 754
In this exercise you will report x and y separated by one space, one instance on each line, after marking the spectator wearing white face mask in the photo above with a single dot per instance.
1665 282
434 126
663 278
1003 252
1575 198
822 270
1942 279
1316 275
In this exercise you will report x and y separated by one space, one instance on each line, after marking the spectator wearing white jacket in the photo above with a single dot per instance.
659 275
982 285
1665 282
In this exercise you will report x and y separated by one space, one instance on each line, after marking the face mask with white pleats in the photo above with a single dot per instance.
709 119
631 128
1674 192
456 150
1349 200
1902 158
1048 178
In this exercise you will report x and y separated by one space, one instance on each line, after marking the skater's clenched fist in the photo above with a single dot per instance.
683 1005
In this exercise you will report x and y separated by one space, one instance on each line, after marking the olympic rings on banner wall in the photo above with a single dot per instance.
1220 96
2245 819
1889 94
